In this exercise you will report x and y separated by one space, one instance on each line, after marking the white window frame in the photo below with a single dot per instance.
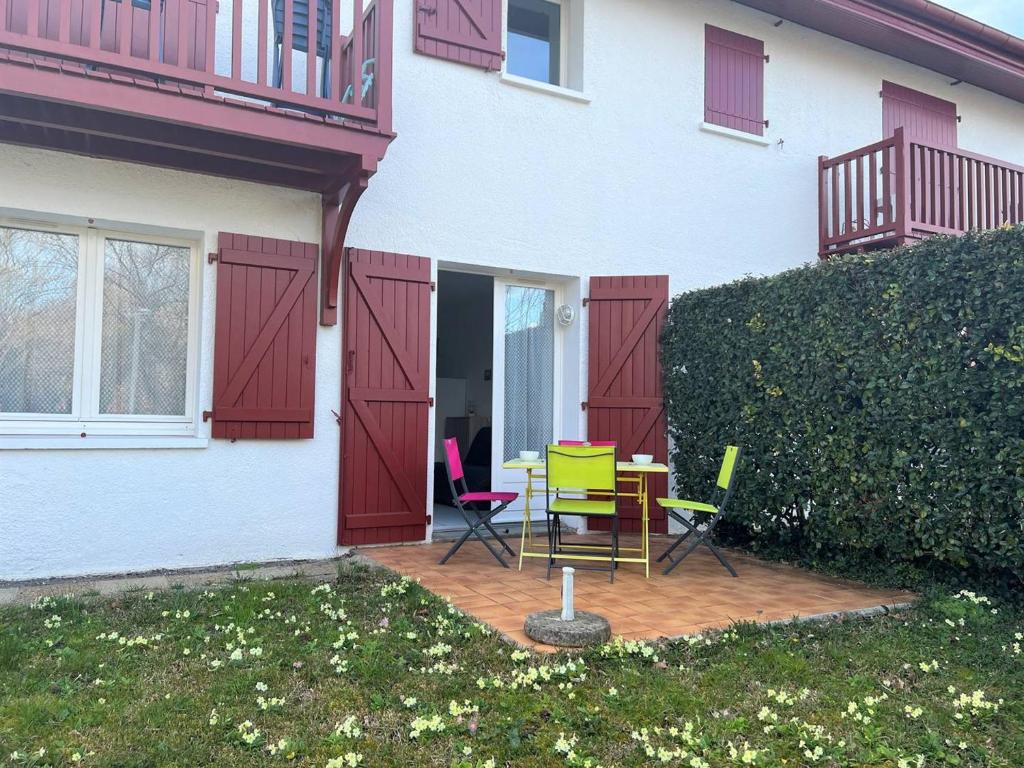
85 420
570 54
508 479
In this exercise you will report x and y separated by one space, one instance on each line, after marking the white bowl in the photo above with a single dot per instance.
642 458
529 455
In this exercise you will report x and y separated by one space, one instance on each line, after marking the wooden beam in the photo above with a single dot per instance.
16 132
160 134
337 214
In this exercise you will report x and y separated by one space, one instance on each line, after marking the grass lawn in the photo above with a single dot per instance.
374 671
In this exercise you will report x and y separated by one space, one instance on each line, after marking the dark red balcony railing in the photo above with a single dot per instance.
897 190
252 49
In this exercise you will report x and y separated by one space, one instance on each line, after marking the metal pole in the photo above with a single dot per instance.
568 613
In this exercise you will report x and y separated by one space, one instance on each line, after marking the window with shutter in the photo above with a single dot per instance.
264 357
466 31
733 80
98 332
535 40
923 117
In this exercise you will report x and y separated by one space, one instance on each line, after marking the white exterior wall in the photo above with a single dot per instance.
106 510
482 173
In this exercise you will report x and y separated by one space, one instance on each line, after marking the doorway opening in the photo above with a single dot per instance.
464 386
500 382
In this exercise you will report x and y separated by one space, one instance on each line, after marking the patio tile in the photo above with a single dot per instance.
698 595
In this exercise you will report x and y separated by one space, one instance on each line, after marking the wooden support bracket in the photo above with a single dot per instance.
337 213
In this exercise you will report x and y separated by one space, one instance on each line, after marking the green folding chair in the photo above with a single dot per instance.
716 508
581 482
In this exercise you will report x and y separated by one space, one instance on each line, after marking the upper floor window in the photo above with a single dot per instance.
535 46
733 81
97 332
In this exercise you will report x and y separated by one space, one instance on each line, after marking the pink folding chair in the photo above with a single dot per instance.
467 503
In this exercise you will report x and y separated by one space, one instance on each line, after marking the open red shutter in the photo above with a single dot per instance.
196 26
733 80
923 117
466 31
386 358
625 401
264 357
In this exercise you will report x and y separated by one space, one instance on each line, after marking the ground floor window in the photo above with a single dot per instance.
97 332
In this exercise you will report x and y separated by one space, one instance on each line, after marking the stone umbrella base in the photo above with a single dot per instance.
585 629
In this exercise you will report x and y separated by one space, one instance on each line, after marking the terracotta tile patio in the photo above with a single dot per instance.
697 595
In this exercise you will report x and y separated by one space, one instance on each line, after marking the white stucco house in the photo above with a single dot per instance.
244 291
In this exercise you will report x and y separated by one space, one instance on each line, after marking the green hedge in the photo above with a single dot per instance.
880 403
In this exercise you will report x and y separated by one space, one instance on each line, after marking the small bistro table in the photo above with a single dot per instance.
627 471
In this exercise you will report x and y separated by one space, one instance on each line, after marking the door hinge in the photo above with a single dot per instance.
583 405
207 415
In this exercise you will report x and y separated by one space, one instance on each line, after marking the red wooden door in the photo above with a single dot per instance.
927 119
386 365
625 401
196 26
923 117
116 14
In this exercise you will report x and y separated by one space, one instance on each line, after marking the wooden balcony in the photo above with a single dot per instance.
178 83
898 190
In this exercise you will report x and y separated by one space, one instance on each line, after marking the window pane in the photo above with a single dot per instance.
145 328
529 369
38 294
534 40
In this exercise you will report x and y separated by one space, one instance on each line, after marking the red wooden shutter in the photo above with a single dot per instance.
196 28
386 359
115 14
264 356
466 31
733 80
924 118
625 401
50 14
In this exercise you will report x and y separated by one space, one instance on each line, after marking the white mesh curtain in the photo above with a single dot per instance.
529 369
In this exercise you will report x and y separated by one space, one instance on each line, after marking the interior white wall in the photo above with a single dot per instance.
484 174
464 343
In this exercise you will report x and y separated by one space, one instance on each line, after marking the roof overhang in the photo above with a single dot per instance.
918 31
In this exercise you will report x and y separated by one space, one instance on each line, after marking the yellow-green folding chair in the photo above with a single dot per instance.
581 482
716 508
